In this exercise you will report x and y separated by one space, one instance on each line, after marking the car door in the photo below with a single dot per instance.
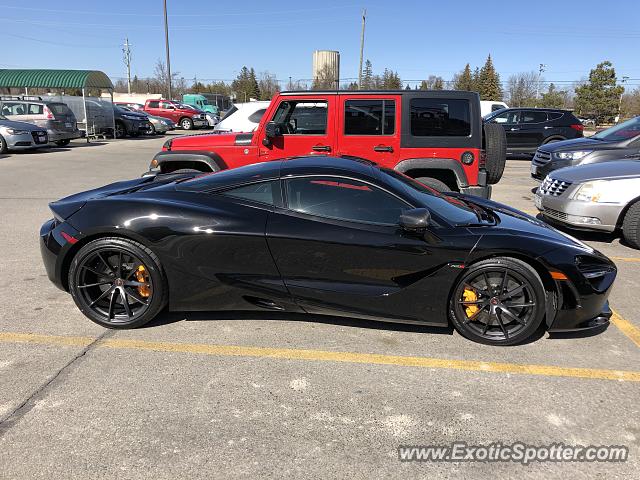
168 110
338 247
307 125
532 128
509 121
368 127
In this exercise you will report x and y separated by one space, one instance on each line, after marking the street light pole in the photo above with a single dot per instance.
166 42
540 70
623 81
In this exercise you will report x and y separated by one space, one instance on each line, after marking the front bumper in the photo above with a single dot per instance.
198 122
577 214
540 170
26 141
57 135
565 323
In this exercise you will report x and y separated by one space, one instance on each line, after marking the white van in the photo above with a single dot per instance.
242 117
488 106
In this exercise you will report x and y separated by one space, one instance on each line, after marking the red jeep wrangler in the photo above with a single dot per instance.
182 115
437 137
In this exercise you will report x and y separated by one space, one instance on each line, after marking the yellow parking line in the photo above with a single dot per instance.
625 259
628 328
327 356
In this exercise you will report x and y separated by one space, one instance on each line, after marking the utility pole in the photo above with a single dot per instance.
166 42
540 70
126 52
364 19
622 82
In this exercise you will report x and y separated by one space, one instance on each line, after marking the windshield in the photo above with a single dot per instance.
451 209
624 131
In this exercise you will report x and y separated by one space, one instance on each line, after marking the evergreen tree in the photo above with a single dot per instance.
475 80
253 84
489 82
367 76
600 97
432 83
464 79
553 98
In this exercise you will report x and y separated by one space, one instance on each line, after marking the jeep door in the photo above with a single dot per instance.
368 127
307 127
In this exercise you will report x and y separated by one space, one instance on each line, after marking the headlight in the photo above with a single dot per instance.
577 155
598 191
13 131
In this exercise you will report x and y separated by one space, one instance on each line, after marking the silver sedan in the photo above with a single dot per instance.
21 135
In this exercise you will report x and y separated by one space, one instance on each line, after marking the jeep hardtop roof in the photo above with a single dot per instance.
437 93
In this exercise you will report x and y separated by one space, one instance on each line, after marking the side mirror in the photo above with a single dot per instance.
415 220
273 129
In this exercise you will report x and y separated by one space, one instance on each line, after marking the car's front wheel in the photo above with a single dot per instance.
499 301
186 123
631 226
3 145
117 283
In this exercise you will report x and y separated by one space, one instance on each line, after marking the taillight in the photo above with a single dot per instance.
578 126
48 113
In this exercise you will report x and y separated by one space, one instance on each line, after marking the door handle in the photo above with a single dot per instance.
548 128
383 148
321 148
514 129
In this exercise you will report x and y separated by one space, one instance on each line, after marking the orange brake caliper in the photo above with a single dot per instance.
143 277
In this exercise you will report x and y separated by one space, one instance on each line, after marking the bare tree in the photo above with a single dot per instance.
521 89
325 80
268 86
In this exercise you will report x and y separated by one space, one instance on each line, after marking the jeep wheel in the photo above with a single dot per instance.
186 123
495 148
434 183
631 226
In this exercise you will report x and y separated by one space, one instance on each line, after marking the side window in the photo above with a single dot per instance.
531 116
36 109
307 117
507 117
14 108
496 106
369 117
435 117
165 105
154 104
256 116
343 199
555 115
257 192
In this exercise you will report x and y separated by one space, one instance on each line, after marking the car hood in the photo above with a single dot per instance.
518 224
584 143
599 171
19 125
210 140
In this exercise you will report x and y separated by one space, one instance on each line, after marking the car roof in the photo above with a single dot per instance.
541 109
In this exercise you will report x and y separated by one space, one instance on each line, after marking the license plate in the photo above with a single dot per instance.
534 170
538 201
68 125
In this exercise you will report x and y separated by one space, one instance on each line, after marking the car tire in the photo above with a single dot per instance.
631 226
3 145
152 130
186 123
495 148
63 143
482 316
103 264
434 183
121 130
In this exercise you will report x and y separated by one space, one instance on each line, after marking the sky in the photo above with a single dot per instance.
212 40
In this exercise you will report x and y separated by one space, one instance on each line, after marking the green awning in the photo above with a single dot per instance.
36 78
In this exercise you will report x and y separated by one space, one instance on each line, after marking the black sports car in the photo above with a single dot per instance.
321 235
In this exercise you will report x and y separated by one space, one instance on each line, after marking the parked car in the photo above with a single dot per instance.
619 142
21 135
212 118
55 117
130 123
600 196
528 128
201 103
322 235
488 106
136 107
159 125
242 117
436 137
180 114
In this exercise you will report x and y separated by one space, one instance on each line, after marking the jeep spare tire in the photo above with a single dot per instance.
495 149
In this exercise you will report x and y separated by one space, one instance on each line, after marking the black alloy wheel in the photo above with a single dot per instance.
121 130
498 302
117 283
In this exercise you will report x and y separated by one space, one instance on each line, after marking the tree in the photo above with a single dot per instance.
464 79
553 98
631 104
600 96
245 86
489 82
268 86
521 89
367 76
390 80
325 79
432 83
475 80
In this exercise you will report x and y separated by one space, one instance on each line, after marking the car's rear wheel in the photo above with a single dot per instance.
434 183
500 301
495 150
117 283
121 130
631 225
152 130
186 123
3 145
63 143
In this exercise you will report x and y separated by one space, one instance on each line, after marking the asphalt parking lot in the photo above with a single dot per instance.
213 395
